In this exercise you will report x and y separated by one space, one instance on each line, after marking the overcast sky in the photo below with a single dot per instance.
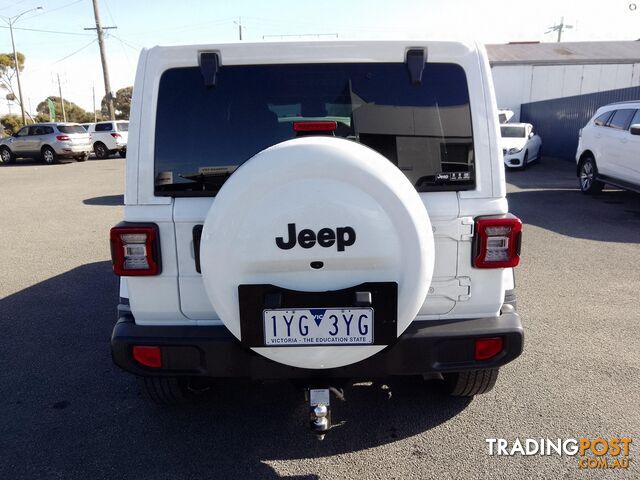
73 53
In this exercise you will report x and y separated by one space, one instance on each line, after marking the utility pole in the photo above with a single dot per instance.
239 23
559 28
64 115
103 57
93 91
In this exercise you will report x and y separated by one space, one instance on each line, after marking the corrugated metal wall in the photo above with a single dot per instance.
558 120
518 84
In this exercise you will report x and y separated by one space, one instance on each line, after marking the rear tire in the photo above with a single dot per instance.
123 153
82 158
101 150
588 174
468 384
49 155
6 156
167 390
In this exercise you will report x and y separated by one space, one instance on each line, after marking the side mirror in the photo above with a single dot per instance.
14 134
531 134
635 129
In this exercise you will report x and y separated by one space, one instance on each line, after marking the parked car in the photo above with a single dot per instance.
609 148
109 137
520 144
317 259
48 142
504 115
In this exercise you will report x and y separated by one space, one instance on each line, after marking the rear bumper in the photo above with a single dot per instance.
72 150
211 351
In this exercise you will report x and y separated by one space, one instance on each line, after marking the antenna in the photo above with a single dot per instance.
559 28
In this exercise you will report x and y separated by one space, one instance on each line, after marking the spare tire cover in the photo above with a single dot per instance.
316 183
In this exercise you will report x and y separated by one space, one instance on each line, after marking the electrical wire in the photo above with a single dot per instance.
77 51
49 31
13 4
124 42
45 12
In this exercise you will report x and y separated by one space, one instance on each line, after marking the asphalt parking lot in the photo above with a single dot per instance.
67 412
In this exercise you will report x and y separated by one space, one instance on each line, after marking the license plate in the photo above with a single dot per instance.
318 326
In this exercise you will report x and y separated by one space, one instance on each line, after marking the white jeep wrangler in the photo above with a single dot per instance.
315 211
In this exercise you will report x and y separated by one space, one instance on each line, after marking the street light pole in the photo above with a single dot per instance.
10 22
15 59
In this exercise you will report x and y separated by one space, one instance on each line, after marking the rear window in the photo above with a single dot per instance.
103 127
123 126
203 134
71 129
601 120
621 118
512 132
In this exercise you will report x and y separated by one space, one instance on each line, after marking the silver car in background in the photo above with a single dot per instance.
47 141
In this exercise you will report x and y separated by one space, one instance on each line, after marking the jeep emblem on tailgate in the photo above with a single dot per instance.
326 237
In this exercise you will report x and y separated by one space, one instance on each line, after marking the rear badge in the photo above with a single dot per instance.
453 177
342 237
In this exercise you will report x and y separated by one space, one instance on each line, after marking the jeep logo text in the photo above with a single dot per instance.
342 237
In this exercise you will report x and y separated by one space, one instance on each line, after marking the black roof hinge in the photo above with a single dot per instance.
209 64
416 58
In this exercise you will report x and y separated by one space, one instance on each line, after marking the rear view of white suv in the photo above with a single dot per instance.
109 137
329 211
609 148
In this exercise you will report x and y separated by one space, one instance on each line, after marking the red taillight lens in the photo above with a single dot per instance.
135 250
315 126
497 242
148 356
487 348
116 135
63 138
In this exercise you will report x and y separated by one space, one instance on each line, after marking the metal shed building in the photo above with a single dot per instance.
558 86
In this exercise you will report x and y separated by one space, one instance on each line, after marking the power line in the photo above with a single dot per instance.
14 4
50 31
124 42
77 51
58 8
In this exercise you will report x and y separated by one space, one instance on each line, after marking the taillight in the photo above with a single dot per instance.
497 242
116 135
149 356
135 249
486 348
63 138
329 126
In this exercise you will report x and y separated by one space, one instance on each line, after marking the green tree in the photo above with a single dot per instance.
11 124
73 112
8 73
121 104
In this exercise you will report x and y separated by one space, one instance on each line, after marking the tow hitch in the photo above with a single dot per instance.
320 409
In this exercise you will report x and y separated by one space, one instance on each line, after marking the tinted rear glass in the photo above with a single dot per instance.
621 119
123 126
103 127
71 129
512 132
602 119
203 134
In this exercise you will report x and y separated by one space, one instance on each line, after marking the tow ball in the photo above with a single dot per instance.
320 409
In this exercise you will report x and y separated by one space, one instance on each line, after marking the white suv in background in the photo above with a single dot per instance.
609 148
109 137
